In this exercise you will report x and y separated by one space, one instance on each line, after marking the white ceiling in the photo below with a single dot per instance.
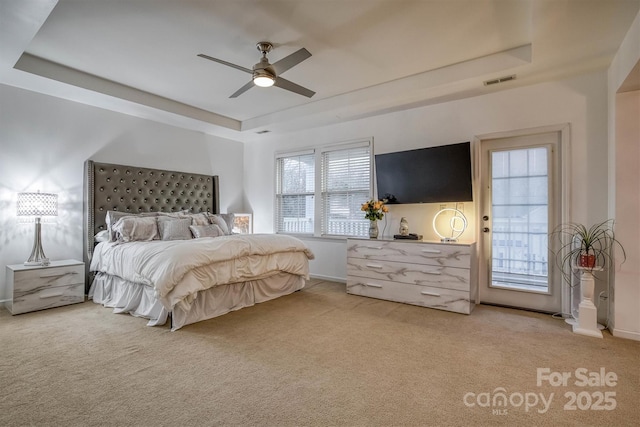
368 56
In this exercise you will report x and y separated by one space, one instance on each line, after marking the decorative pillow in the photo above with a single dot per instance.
136 228
102 236
210 230
178 214
174 228
199 219
113 217
228 218
224 221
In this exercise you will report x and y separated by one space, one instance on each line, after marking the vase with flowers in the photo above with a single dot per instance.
374 211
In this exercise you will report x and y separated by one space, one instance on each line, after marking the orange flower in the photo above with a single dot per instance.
375 209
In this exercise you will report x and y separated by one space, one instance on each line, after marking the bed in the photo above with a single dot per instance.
157 247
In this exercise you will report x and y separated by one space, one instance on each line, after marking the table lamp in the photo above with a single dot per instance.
37 205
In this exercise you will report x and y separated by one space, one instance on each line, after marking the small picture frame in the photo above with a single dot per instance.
242 223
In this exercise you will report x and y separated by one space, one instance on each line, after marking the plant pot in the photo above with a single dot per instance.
587 260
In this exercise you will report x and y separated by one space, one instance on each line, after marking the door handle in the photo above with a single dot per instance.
485 229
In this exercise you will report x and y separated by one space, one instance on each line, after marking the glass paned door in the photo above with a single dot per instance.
520 207
519 202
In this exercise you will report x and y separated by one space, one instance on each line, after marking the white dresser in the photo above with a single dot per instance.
39 287
435 275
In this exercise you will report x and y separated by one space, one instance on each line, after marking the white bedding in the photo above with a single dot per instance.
178 270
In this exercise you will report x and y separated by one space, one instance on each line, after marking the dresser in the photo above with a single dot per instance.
429 274
39 287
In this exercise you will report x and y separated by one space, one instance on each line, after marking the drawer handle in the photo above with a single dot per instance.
42 276
431 294
373 285
431 251
374 266
434 273
51 294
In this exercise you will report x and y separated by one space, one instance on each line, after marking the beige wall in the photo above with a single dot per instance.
626 295
624 176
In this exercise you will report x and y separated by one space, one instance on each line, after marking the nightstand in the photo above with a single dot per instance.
40 287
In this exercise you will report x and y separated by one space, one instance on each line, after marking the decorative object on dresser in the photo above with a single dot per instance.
404 227
37 205
33 288
457 224
374 211
434 275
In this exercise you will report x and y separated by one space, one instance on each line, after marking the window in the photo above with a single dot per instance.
346 185
295 183
332 182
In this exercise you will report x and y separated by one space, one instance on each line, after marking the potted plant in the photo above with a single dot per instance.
584 247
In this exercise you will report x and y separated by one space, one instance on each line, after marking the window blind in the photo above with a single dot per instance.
346 185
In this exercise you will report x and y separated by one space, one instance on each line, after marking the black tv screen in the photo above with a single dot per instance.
426 175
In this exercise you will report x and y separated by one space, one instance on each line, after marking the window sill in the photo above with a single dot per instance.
339 239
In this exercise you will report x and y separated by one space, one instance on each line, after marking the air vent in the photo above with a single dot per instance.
500 80
260 132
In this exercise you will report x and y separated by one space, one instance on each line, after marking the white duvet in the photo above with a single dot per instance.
179 269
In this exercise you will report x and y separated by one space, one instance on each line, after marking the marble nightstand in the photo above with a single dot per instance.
39 287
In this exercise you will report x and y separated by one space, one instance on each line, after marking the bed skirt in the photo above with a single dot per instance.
139 300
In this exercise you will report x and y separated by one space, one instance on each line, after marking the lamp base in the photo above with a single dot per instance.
448 240
37 256
43 261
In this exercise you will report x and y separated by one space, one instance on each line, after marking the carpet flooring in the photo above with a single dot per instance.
318 357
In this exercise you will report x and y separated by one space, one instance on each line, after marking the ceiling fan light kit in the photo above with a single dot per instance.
265 74
263 80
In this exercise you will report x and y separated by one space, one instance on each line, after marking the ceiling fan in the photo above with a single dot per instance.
266 74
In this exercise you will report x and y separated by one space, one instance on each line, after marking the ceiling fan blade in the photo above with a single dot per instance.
290 61
286 84
229 64
242 90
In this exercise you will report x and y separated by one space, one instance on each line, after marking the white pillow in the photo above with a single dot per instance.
102 236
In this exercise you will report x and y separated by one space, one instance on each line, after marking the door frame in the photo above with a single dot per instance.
564 130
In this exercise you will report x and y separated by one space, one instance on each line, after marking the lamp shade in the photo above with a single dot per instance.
37 204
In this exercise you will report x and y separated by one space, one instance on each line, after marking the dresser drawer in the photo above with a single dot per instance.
417 274
426 296
34 279
449 255
47 297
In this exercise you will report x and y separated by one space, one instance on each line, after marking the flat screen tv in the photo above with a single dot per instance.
426 175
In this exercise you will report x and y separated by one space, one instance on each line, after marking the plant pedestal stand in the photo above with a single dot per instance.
587 323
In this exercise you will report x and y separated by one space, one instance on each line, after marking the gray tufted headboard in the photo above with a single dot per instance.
134 189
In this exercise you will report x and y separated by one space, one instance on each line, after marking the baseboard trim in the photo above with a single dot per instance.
329 278
621 333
